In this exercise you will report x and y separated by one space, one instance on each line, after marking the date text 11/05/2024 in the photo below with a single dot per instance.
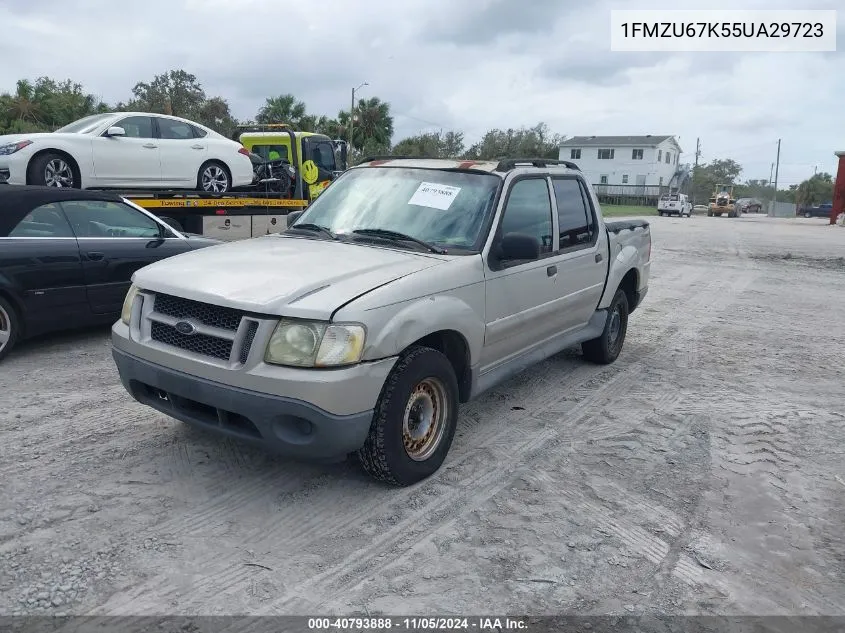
418 624
722 29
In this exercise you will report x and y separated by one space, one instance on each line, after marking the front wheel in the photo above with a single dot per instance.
214 178
808 215
606 348
414 420
9 328
53 170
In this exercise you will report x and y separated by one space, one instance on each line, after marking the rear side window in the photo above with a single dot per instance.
174 130
198 133
102 218
44 221
529 211
574 215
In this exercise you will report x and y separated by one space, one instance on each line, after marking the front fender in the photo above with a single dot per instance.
419 318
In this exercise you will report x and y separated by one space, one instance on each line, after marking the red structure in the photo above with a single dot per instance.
839 190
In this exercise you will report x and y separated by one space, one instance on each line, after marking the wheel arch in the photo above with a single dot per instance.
214 161
17 306
454 346
74 164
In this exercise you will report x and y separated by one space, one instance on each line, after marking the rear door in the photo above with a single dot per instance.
583 256
182 152
116 239
40 266
128 161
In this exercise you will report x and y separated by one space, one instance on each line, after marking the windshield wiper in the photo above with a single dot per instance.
313 228
400 237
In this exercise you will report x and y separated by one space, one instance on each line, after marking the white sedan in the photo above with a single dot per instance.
127 150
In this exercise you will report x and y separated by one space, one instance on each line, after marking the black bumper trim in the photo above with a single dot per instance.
285 426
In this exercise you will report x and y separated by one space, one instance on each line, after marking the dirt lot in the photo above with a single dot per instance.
701 473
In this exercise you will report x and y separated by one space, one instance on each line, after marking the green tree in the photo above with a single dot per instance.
432 144
373 127
814 191
717 172
45 105
533 142
215 113
176 92
283 109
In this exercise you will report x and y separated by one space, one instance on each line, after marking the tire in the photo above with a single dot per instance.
10 327
53 170
605 349
421 377
709 214
808 215
214 177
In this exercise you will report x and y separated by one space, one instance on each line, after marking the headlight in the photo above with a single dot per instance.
11 148
126 313
308 344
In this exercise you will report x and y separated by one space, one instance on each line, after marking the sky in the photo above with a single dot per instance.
467 65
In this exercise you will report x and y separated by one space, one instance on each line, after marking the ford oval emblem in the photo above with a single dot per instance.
186 327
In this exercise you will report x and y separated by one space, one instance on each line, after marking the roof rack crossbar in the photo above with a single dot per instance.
508 164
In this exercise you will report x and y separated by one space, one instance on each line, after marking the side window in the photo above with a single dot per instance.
323 156
174 130
573 214
529 212
102 218
44 221
272 152
198 133
137 126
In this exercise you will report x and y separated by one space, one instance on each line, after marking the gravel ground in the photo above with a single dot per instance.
702 473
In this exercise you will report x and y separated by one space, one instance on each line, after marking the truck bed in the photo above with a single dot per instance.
615 226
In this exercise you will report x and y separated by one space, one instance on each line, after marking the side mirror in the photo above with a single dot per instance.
515 246
293 216
115 130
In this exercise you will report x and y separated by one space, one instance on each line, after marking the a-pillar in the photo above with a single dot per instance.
839 190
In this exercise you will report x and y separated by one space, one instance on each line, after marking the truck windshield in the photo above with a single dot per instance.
445 208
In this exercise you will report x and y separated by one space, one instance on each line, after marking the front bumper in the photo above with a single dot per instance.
282 425
13 168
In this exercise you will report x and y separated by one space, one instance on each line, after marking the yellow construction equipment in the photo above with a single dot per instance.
722 201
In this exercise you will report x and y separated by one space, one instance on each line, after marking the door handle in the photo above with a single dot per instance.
96 257
598 257
150 145
551 271
197 146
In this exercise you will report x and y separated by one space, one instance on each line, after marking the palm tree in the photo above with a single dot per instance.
373 125
23 105
282 109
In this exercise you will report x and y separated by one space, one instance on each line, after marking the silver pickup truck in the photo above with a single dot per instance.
408 287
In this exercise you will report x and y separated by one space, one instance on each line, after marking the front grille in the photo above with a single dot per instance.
211 315
197 343
252 328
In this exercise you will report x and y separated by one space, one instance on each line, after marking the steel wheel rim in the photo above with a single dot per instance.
5 328
214 179
425 418
615 327
57 173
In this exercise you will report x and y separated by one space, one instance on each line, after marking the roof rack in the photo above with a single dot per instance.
370 159
508 164
264 127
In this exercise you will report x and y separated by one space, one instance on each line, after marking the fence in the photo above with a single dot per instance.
781 210
633 195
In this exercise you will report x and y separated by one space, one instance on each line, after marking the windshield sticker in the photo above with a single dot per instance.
430 194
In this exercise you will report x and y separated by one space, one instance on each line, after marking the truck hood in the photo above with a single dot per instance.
283 276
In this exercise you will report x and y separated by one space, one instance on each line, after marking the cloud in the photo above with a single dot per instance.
452 65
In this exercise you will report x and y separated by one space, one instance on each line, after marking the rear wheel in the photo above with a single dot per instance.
414 421
606 348
808 215
9 327
214 178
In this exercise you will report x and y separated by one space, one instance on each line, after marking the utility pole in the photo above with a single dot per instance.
777 168
352 114
695 168
771 171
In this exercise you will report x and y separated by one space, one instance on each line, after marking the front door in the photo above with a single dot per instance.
583 252
115 240
128 161
40 263
521 304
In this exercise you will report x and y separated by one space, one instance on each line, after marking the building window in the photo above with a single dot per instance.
574 154
637 154
668 157
659 155
606 154
603 180
661 181
624 179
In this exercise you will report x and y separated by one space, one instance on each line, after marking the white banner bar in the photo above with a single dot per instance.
719 30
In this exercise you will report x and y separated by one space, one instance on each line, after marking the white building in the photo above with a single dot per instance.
624 160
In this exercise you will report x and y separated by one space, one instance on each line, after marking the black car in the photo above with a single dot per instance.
67 257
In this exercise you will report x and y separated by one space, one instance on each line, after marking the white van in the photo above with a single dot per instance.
674 204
